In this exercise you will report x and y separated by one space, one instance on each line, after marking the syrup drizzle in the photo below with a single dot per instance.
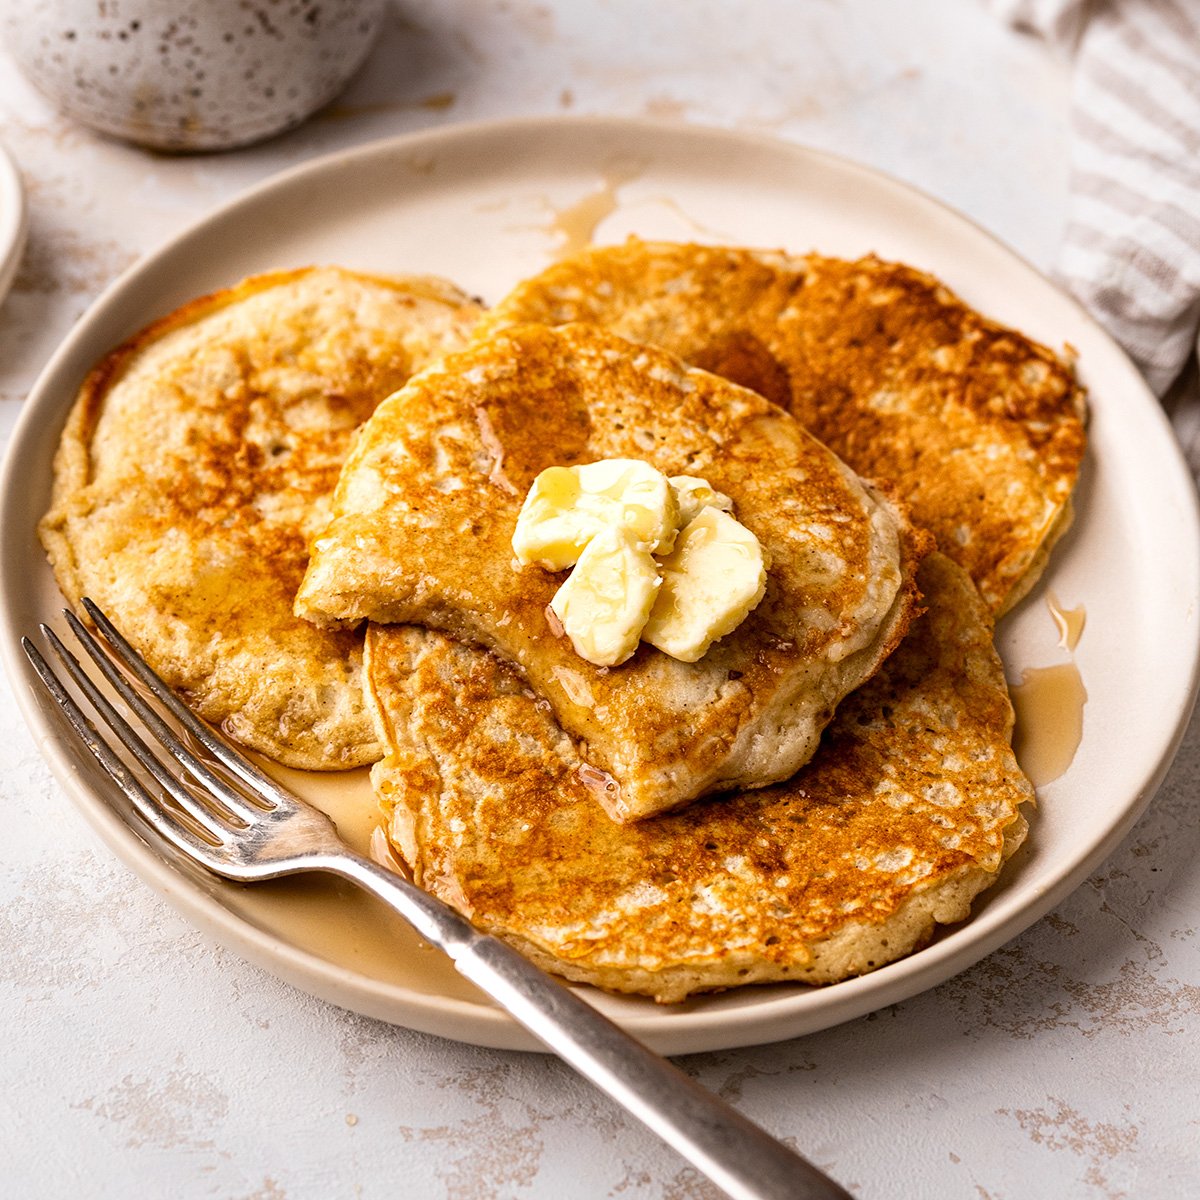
575 226
1049 706
334 919
1068 621
1049 703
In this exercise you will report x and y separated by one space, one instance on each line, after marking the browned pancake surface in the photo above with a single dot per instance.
907 812
978 428
197 464
424 514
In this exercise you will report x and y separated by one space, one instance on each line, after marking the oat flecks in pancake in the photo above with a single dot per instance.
197 463
908 811
424 514
979 429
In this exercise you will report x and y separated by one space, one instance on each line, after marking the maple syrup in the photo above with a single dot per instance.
575 226
333 918
1068 621
1049 705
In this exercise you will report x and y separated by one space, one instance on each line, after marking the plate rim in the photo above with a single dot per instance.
684 1030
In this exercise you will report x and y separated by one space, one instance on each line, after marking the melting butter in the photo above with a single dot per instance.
693 494
710 582
609 519
606 600
568 506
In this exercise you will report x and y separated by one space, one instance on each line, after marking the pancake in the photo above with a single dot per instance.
197 463
907 812
979 429
425 510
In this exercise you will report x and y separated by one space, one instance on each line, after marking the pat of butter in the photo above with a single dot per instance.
609 520
607 598
711 581
692 494
568 506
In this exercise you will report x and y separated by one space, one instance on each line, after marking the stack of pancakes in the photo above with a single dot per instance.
806 802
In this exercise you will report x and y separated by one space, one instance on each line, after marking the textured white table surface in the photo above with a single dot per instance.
138 1056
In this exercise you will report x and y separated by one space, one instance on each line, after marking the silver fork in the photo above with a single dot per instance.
259 830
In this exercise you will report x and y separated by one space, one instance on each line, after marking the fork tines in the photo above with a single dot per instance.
200 817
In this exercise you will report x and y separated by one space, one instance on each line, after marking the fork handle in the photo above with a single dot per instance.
714 1137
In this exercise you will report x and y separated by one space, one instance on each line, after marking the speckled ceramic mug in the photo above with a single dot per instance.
190 74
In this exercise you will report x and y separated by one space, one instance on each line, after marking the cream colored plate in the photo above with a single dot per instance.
486 205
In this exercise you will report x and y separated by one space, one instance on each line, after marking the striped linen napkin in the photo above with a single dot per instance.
1131 248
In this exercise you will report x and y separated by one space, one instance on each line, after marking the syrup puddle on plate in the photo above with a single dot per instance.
334 919
1049 703
1049 706
575 225
1069 622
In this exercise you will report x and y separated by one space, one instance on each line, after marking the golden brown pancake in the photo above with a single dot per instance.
198 462
907 812
424 514
979 429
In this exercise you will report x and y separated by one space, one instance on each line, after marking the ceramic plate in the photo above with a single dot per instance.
486 205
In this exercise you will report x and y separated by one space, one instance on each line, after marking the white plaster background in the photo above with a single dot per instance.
137 1056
